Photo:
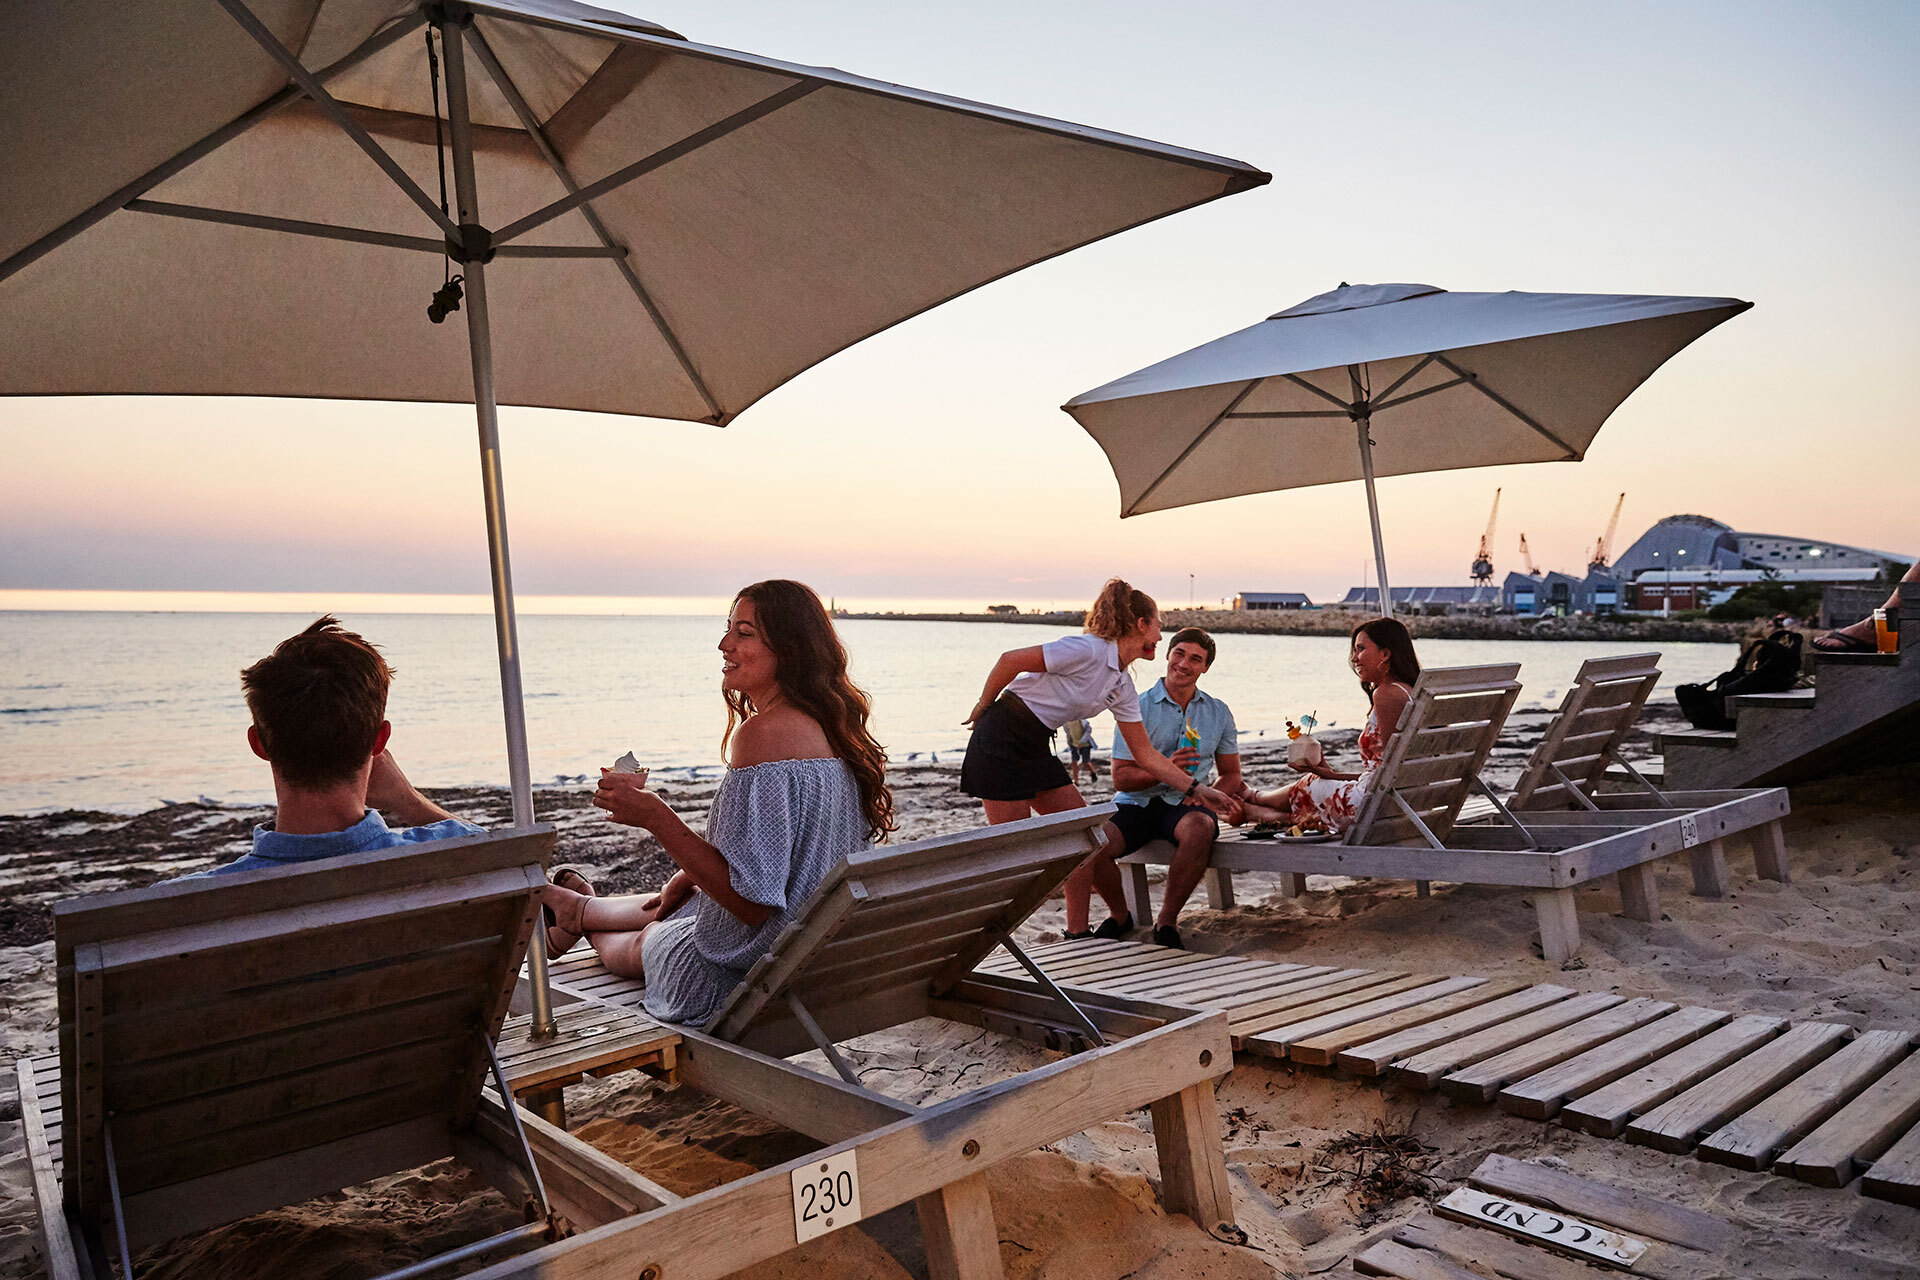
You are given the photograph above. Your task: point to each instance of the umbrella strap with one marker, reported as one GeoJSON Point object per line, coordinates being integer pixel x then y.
{"type": "Point", "coordinates": [439, 137]}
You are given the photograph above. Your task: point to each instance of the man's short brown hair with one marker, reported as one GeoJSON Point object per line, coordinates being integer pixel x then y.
{"type": "Point", "coordinates": [1195, 636]}
{"type": "Point", "coordinates": [318, 701]}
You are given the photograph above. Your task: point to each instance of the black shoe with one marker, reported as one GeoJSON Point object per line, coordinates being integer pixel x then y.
{"type": "Point", "coordinates": [1165, 935]}
{"type": "Point", "coordinates": [1070, 936]}
{"type": "Point", "coordinates": [1112, 928]}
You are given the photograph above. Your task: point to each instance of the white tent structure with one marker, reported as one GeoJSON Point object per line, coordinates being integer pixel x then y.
{"type": "Point", "coordinates": [1384, 380]}
{"type": "Point", "coordinates": [237, 197]}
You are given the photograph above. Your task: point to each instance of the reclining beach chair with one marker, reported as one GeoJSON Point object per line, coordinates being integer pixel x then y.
{"type": "Point", "coordinates": [1410, 826]}
{"type": "Point", "coordinates": [893, 934]}
{"type": "Point", "coordinates": [239, 1043]}
{"type": "Point", "coordinates": [1585, 739]}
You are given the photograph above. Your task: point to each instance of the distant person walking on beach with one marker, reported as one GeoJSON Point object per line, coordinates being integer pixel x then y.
{"type": "Point", "coordinates": [1031, 691]}
{"type": "Point", "coordinates": [319, 706]}
{"type": "Point", "coordinates": [1080, 745]}
{"type": "Point", "coordinates": [805, 786]}
{"type": "Point", "coordinates": [1382, 656]}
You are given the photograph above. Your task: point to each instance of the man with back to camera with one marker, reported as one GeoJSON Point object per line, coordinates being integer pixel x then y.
{"type": "Point", "coordinates": [319, 705]}
{"type": "Point", "coordinates": [1190, 728]}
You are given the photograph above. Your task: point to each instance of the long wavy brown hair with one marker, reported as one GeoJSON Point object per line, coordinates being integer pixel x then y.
{"type": "Point", "coordinates": [810, 666]}
{"type": "Point", "coordinates": [1392, 635]}
{"type": "Point", "coordinates": [1119, 608]}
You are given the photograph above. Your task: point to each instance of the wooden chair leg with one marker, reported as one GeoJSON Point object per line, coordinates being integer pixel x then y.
{"type": "Point", "coordinates": [549, 1104]}
{"type": "Point", "coordinates": [1770, 852]}
{"type": "Point", "coordinates": [1193, 1159]}
{"type": "Point", "coordinates": [1640, 893]}
{"type": "Point", "coordinates": [956, 1223]}
{"type": "Point", "coordinates": [1559, 924]}
{"type": "Point", "coordinates": [1423, 888]}
{"type": "Point", "coordinates": [1709, 869]}
{"type": "Point", "coordinates": [1139, 898]}
{"type": "Point", "coordinates": [1292, 884]}
{"type": "Point", "coordinates": [1219, 889]}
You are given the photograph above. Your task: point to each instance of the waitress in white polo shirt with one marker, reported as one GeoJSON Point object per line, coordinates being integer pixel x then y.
{"type": "Point", "coordinates": [1010, 767]}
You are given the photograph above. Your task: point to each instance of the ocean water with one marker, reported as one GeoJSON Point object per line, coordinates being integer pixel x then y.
{"type": "Point", "coordinates": [123, 711]}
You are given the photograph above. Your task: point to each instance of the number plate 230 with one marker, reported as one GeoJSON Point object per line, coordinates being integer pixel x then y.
{"type": "Point", "coordinates": [826, 1196]}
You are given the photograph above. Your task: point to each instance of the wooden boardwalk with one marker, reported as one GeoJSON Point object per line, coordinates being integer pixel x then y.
{"type": "Point", "coordinates": [1808, 1100]}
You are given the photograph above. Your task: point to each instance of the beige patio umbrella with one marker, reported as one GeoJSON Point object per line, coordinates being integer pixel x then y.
{"type": "Point", "coordinates": [1384, 380]}
{"type": "Point", "coordinates": [247, 197]}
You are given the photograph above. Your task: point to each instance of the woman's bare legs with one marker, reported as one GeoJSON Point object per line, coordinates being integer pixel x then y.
{"type": "Point", "coordinates": [614, 927]}
{"type": "Point", "coordinates": [1097, 872]}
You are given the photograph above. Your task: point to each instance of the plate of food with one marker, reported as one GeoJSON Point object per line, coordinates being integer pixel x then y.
{"type": "Point", "coordinates": [1311, 833]}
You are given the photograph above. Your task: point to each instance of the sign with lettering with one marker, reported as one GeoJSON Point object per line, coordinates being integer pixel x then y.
{"type": "Point", "coordinates": [1550, 1226]}
{"type": "Point", "coordinates": [826, 1196]}
{"type": "Point", "coordinates": [1689, 831]}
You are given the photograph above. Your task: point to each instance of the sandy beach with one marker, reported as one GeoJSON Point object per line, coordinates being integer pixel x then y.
{"type": "Point", "coordinates": [1304, 1147]}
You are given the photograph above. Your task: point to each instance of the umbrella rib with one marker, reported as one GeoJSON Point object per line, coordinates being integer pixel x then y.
{"type": "Point", "coordinates": [1409, 375]}
{"type": "Point", "coordinates": [206, 146]}
{"type": "Point", "coordinates": [319, 230]}
{"type": "Point", "coordinates": [1294, 413]}
{"type": "Point", "coordinates": [1378, 405]}
{"type": "Point", "coordinates": [639, 168]}
{"type": "Point", "coordinates": [1299, 381]}
{"type": "Point", "coordinates": [1187, 452]}
{"type": "Point", "coordinates": [1509, 406]}
{"type": "Point", "coordinates": [251, 24]}
{"type": "Point", "coordinates": [531, 123]}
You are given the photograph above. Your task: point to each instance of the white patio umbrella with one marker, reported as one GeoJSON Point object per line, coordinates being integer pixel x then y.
{"type": "Point", "coordinates": [236, 197]}
{"type": "Point", "coordinates": [1384, 380]}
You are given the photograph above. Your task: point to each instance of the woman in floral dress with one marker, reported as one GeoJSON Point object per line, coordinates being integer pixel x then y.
{"type": "Point", "coordinates": [1383, 658]}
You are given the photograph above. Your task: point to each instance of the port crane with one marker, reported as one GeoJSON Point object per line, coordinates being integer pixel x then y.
{"type": "Point", "coordinates": [1533, 570]}
{"type": "Point", "coordinates": [1483, 563]}
{"type": "Point", "coordinates": [1603, 549]}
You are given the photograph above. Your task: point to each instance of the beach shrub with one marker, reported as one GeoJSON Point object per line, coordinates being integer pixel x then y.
{"type": "Point", "coordinates": [1764, 599]}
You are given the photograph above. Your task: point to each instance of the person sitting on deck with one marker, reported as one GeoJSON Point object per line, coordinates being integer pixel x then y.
{"type": "Point", "coordinates": [805, 787]}
{"type": "Point", "coordinates": [319, 705]}
{"type": "Point", "coordinates": [1195, 730]}
{"type": "Point", "coordinates": [1861, 637]}
{"type": "Point", "coordinates": [1382, 656]}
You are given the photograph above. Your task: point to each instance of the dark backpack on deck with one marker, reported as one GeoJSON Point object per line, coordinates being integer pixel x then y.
{"type": "Point", "coordinates": [1769, 665]}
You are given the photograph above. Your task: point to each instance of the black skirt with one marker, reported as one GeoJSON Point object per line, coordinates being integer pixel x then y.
{"type": "Point", "coordinates": [1009, 756]}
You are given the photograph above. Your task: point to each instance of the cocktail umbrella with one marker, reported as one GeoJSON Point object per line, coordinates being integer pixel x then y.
{"type": "Point", "coordinates": [203, 197]}
{"type": "Point", "coordinates": [1384, 380]}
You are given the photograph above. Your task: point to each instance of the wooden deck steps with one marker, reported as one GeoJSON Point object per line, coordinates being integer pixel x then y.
{"type": "Point", "coordinates": [1864, 709]}
{"type": "Point", "coordinates": [1810, 1100]}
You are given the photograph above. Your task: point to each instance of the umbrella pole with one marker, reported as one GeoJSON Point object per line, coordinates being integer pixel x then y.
{"type": "Point", "coordinates": [506, 630]}
{"type": "Point", "coordinates": [1362, 420]}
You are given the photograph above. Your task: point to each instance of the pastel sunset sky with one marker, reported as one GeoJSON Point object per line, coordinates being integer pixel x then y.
{"type": "Point", "coordinates": [1765, 151]}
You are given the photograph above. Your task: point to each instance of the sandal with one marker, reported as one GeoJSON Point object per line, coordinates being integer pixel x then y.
{"type": "Point", "coordinates": [581, 885]}
{"type": "Point", "coordinates": [1841, 642]}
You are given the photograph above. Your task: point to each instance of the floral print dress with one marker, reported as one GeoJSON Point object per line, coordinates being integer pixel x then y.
{"type": "Point", "coordinates": [1335, 804]}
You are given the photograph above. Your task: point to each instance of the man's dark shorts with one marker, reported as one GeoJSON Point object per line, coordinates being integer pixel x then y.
{"type": "Point", "coordinates": [1141, 824]}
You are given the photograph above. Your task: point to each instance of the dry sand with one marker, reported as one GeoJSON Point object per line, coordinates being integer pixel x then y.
{"type": "Point", "coordinates": [1840, 943]}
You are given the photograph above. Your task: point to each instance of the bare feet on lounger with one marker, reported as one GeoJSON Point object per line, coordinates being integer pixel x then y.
{"type": "Point", "coordinates": [565, 901]}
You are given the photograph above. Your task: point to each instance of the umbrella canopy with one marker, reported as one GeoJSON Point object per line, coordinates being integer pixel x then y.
{"type": "Point", "coordinates": [251, 197]}
{"type": "Point", "coordinates": [1444, 381]}
{"type": "Point", "coordinates": [748, 217]}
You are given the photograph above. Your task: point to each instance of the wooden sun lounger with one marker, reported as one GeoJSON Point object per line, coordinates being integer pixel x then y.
{"type": "Point", "coordinates": [894, 934]}
{"type": "Point", "coordinates": [243, 1042]}
{"type": "Point", "coordinates": [1410, 825]}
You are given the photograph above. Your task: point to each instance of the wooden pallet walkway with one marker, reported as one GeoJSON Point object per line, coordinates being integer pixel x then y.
{"type": "Point", "coordinates": [1808, 1100]}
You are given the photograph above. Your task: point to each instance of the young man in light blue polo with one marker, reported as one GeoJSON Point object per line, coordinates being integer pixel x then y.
{"type": "Point", "coordinates": [1194, 730]}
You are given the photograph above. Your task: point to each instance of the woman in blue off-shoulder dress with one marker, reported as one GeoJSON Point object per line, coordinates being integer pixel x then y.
{"type": "Point", "coordinates": [805, 787]}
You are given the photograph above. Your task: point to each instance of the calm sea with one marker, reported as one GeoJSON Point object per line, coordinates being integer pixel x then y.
{"type": "Point", "coordinates": [122, 711]}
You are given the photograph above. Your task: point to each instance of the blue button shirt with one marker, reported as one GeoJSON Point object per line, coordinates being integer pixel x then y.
{"type": "Point", "coordinates": [277, 849]}
{"type": "Point", "coordinates": [1164, 721]}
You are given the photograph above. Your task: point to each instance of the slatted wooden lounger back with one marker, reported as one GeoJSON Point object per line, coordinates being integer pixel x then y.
{"type": "Point", "coordinates": [237, 1043]}
{"type": "Point", "coordinates": [1410, 828]}
{"type": "Point", "coordinates": [890, 935]}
